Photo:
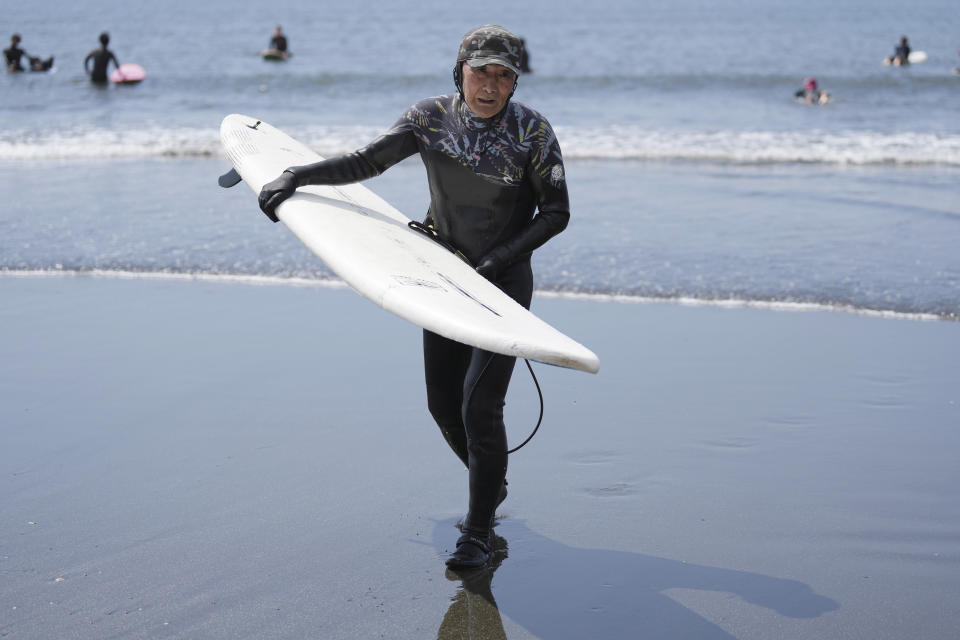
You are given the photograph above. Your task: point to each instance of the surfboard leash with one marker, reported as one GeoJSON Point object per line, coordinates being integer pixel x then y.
{"type": "Point", "coordinates": [540, 419]}
{"type": "Point", "coordinates": [431, 233]}
{"type": "Point", "coordinates": [539, 395]}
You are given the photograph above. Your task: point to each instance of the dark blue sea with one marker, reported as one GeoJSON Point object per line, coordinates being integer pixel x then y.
{"type": "Point", "coordinates": [694, 173]}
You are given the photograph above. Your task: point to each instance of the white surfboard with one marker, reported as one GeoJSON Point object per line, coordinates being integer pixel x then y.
{"type": "Point", "coordinates": [914, 57]}
{"type": "Point", "coordinates": [367, 243]}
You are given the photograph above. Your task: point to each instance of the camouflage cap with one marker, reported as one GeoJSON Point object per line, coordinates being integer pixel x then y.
{"type": "Point", "coordinates": [491, 44]}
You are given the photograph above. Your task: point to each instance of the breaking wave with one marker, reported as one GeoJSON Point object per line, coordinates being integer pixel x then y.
{"type": "Point", "coordinates": [333, 282]}
{"type": "Point", "coordinates": [608, 142]}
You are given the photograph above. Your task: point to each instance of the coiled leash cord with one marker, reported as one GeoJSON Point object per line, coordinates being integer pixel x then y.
{"type": "Point", "coordinates": [540, 419]}
{"type": "Point", "coordinates": [431, 233]}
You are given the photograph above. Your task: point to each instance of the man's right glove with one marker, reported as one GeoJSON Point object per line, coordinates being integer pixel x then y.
{"type": "Point", "coordinates": [491, 264]}
{"type": "Point", "coordinates": [273, 193]}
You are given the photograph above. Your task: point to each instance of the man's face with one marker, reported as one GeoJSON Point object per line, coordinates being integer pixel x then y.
{"type": "Point", "coordinates": [487, 89]}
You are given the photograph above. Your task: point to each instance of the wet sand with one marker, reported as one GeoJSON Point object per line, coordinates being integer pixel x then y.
{"type": "Point", "coordinates": [194, 459]}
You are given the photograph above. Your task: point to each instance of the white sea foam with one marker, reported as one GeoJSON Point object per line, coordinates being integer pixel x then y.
{"type": "Point", "coordinates": [86, 144]}
{"type": "Point", "coordinates": [82, 143]}
{"type": "Point", "coordinates": [776, 305]}
{"type": "Point", "coordinates": [733, 303]}
{"type": "Point", "coordinates": [59, 272]}
{"type": "Point", "coordinates": [762, 147]}
{"type": "Point", "coordinates": [609, 142]}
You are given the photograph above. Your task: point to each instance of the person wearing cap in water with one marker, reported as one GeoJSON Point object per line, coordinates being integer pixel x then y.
{"type": "Point", "coordinates": [497, 192]}
{"type": "Point", "coordinates": [810, 94]}
{"type": "Point", "coordinates": [101, 59]}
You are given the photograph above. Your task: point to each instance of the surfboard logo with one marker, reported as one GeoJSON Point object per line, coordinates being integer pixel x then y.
{"type": "Point", "coordinates": [407, 281]}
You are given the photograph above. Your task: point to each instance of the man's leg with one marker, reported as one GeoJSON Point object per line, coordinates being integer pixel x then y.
{"type": "Point", "coordinates": [445, 364]}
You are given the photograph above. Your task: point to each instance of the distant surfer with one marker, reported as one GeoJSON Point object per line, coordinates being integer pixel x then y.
{"type": "Point", "coordinates": [901, 55]}
{"type": "Point", "coordinates": [14, 54]}
{"type": "Point", "coordinates": [279, 41]}
{"type": "Point", "coordinates": [495, 196]}
{"type": "Point", "coordinates": [278, 46]}
{"type": "Point", "coordinates": [524, 57]}
{"type": "Point", "coordinates": [811, 94]}
{"type": "Point", "coordinates": [101, 58]}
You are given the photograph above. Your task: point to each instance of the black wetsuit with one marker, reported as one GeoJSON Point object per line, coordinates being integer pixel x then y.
{"type": "Point", "coordinates": [488, 177]}
{"type": "Point", "coordinates": [101, 58]}
{"type": "Point", "coordinates": [902, 53]}
{"type": "Point", "coordinates": [13, 55]}
{"type": "Point", "coordinates": [279, 43]}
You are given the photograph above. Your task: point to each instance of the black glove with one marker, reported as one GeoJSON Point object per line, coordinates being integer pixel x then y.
{"type": "Point", "coordinates": [273, 193]}
{"type": "Point", "coordinates": [491, 264]}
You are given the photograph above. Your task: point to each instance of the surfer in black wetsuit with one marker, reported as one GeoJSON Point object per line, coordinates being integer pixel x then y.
{"type": "Point", "coordinates": [279, 41]}
{"type": "Point", "coordinates": [492, 164]}
{"type": "Point", "coordinates": [524, 57]}
{"type": "Point", "coordinates": [101, 59]}
{"type": "Point", "coordinates": [13, 54]}
{"type": "Point", "coordinates": [901, 55]}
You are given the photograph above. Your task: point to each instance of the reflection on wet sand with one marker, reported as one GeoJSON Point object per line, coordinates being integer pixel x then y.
{"type": "Point", "coordinates": [556, 591]}
{"type": "Point", "coordinates": [473, 613]}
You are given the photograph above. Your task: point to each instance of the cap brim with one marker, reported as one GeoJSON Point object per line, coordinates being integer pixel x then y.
{"type": "Point", "coordinates": [479, 62]}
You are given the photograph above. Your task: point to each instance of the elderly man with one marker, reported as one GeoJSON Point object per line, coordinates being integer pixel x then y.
{"type": "Point", "coordinates": [497, 192]}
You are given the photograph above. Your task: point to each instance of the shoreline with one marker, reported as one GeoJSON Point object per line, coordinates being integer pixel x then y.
{"type": "Point", "coordinates": [335, 283]}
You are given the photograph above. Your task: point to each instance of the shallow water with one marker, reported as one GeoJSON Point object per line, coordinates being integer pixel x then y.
{"type": "Point", "coordinates": [875, 241]}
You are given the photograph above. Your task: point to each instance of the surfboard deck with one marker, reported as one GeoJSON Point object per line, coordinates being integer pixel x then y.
{"type": "Point", "coordinates": [128, 73]}
{"type": "Point", "coordinates": [368, 243]}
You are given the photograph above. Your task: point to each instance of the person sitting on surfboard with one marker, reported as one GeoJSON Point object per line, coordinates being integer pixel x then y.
{"type": "Point", "coordinates": [497, 192]}
{"type": "Point", "coordinates": [101, 59]}
{"type": "Point", "coordinates": [279, 41]}
{"type": "Point", "coordinates": [901, 55]}
{"type": "Point", "coordinates": [278, 46]}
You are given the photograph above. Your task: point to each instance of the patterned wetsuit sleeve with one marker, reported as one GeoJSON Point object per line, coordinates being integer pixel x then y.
{"type": "Point", "coordinates": [365, 163]}
{"type": "Point", "coordinates": [548, 180]}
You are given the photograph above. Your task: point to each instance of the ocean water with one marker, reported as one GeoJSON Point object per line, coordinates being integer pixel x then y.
{"type": "Point", "coordinates": [694, 173]}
